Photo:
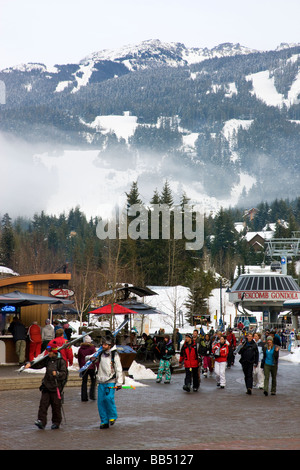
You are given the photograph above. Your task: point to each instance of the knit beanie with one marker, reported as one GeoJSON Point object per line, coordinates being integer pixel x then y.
{"type": "Point", "coordinates": [87, 339]}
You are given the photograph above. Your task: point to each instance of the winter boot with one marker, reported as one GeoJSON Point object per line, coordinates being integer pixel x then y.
{"type": "Point", "coordinates": [104, 426]}
{"type": "Point", "coordinates": [39, 424]}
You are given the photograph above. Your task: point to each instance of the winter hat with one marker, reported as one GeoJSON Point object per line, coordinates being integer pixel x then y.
{"type": "Point", "coordinates": [107, 340]}
{"type": "Point", "coordinates": [87, 339]}
{"type": "Point", "coordinates": [270, 338]}
{"type": "Point", "coordinates": [189, 335]}
{"type": "Point", "coordinates": [52, 348]}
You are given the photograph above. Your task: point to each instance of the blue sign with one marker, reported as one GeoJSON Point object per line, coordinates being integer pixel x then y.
{"type": "Point", "coordinates": [283, 260]}
{"type": "Point", "coordinates": [8, 308]}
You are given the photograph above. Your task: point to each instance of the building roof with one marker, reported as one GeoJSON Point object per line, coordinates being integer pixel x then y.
{"type": "Point", "coordinates": [266, 235]}
{"type": "Point", "coordinates": [8, 281]}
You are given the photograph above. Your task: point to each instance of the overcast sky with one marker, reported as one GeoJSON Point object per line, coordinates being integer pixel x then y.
{"type": "Point", "coordinates": [64, 31]}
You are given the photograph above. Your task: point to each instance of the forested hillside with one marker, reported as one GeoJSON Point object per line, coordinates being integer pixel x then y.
{"type": "Point", "coordinates": [45, 243]}
{"type": "Point", "coordinates": [238, 110]}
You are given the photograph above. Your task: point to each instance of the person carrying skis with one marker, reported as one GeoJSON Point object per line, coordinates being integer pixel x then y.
{"type": "Point", "coordinates": [166, 350]}
{"type": "Point", "coordinates": [109, 378]}
{"type": "Point", "coordinates": [189, 356]}
{"type": "Point", "coordinates": [51, 387]}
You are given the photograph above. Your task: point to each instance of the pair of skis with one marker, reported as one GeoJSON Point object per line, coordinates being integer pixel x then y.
{"type": "Point", "coordinates": [94, 357]}
{"type": "Point", "coordinates": [67, 344]}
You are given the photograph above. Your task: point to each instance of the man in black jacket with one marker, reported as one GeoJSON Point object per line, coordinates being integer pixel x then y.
{"type": "Point", "coordinates": [18, 330]}
{"type": "Point", "coordinates": [249, 359]}
{"type": "Point", "coordinates": [51, 388]}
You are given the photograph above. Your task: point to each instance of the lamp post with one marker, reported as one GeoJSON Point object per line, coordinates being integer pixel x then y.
{"type": "Point", "coordinates": [221, 312]}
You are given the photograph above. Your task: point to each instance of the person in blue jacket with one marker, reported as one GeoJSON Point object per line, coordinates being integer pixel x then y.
{"type": "Point", "coordinates": [270, 365]}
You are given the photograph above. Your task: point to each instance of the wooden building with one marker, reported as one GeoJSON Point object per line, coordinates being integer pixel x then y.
{"type": "Point", "coordinates": [37, 284]}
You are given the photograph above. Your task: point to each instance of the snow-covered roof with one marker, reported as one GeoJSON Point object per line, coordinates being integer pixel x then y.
{"type": "Point", "coordinates": [266, 235]}
{"type": "Point", "coordinates": [258, 269]}
{"type": "Point", "coordinates": [8, 271]}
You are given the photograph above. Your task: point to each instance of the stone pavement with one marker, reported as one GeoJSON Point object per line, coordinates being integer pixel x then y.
{"type": "Point", "coordinates": [160, 417]}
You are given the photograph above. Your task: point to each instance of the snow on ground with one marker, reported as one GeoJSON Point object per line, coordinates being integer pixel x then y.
{"type": "Point", "coordinates": [265, 90]}
{"type": "Point", "coordinates": [168, 300]}
{"type": "Point", "coordinates": [123, 126]}
{"type": "Point", "coordinates": [139, 372]}
{"type": "Point", "coordinates": [231, 128]}
{"type": "Point", "coordinates": [83, 75]}
{"type": "Point", "coordinates": [294, 356]}
{"type": "Point", "coordinates": [91, 193]}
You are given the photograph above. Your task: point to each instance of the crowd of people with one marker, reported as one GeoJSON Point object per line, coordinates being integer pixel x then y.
{"type": "Point", "coordinates": [200, 353]}
{"type": "Point", "coordinates": [216, 352]}
{"type": "Point", "coordinates": [36, 337]}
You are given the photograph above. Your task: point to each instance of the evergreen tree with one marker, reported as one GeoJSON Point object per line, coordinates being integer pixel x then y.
{"type": "Point", "coordinates": [166, 195]}
{"type": "Point", "coordinates": [201, 285]}
{"type": "Point", "coordinates": [7, 242]}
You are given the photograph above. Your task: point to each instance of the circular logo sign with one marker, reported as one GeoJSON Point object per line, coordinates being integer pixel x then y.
{"type": "Point", "coordinates": [63, 293]}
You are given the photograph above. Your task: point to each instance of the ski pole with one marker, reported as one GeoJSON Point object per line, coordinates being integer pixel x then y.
{"type": "Point", "coordinates": [61, 401]}
{"type": "Point", "coordinates": [125, 386]}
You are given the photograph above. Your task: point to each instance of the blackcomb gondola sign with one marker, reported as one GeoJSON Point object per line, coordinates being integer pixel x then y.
{"type": "Point", "coordinates": [62, 293]}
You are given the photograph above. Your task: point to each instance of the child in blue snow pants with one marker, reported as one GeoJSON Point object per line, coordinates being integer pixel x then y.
{"type": "Point", "coordinates": [106, 403]}
{"type": "Point", "coordinates": [164, 367]}
{"type": "Point", "coordinates": [166, 351]}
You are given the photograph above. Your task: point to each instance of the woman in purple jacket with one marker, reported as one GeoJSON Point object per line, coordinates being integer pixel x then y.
{"type": "Point", "coordinates": [87, 349]}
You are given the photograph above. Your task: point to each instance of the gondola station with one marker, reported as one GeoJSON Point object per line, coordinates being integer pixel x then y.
{"type": "Point", "coordinates": [267, 293]}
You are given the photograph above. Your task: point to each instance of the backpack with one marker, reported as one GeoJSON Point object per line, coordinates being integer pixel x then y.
{"type": "Point", "coordinates": [113, 353]}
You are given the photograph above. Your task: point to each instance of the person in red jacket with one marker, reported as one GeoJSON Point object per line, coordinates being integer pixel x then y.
{"type": "Point", "coordinates": [35, 337]}
{"type": "Point", "coordinates": [190, 357]}
{"type": "Point", "coordinates": [58, 341]}
{"type": "Point", "coordinates": [220, 351]}
{"type": "Point", "coordinates": [231, 339]}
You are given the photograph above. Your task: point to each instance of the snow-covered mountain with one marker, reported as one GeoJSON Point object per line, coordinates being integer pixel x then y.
{"type": "Point", "coordinates": [154, 53]}
{"type": "Point", "coordinates": [159, 110]}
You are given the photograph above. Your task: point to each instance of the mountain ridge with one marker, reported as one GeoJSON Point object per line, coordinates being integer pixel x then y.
{"type": "Point", "coordinates": [144, 46]}
{"type": "Point", "coordinates": [200, 53]}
